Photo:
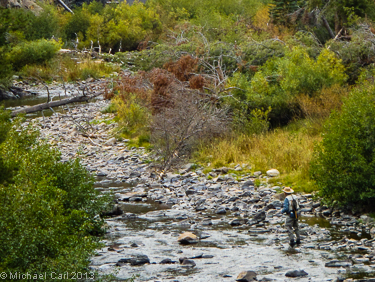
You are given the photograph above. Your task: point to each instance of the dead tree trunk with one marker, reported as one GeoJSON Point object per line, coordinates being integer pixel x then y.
{"type": "Point", "coordinates": [53, 104]}
{"type": "Point", "coordinates": [325, 22]}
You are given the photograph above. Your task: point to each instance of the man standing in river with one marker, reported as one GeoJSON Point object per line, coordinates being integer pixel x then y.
{"type": "Point", "coordinates": [291, 207]}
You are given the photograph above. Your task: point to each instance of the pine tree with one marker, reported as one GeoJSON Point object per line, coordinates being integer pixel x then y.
{"type": "Point", "coordinates": [280, 12]}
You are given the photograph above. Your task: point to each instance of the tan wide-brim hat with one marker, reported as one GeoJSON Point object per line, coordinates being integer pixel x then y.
{"type": "Point", "coordinates": [288, 190]}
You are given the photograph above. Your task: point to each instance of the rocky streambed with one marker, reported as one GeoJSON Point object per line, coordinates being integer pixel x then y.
{"type": "Point", "coordinates": [192, 226]}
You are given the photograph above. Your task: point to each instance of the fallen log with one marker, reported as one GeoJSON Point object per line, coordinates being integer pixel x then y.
{"type": "Point", "coordinates": [53, 104]}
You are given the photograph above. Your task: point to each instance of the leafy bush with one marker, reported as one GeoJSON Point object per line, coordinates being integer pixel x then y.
{"type": "Point", "coordinates": [280, 80]}
{"type": "Point", "coordinates": [257, 122]}
{"type": "Point", "coordinates": [359, 52]}
{"type": "Point", "coordinates": [344, 163]}
{"type": "Point", "coordinates": [116, 27]}
{"type": "Point", "coordinates": [28, 26]}
{"type": "Point", "coordinates": [132, 116]}
{"type": "Point", "coordinates": [49, 209]}
{"type": "Point", "coordinates": [34, 52]}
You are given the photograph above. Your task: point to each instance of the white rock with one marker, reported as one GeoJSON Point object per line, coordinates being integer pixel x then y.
{"type": "Point", "coordinates": [111, 141]}
{"type": "Point", "coordinates": [273, 172]}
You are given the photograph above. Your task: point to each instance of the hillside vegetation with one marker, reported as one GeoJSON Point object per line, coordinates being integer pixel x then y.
{"type": "Point", "coordinates": [222, 83]}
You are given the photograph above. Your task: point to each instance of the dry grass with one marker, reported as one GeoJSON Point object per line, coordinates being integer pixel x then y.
{"type": "Point", "coordinates": [289, 150]}
{"type": "Point", "coordinates": [321, 106]}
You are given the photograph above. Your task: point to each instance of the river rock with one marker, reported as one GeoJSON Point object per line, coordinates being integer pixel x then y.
{"type": "Point", "coordinates": [273, 172]}
{"type": "Point", "coordinates": [215, 187]}
{"type": "Point", "coordinates": [296, 273]}
{"type": "Point", "coordinates": [114, 212]}
{"type": "Point", "coordinates": [247, 276]}
{"type": "Point", "coordinates": [187, 238]}
{"type": "Point", "coordinates": [206, 222]}
{"type": "Point", "coordinates": [372, 232]}
{"type": "Point", "coordinates": [187, 262]}
{"type": "Point", "coordinates": [123, 261]}
{"type": "Point", "coordinates": [221, 210]}
{"type": "Point", "coordinates": [186, 168]}
{"type": "Point", "coordinates": [167, 261]}
{"type": "Point", "coordinates": [236, 222]}
{"type": "Point", "coordinates": [338, 263]}
{"type": "Point", "coordinates": [139, 260]}
{"type": "Point", "coordinates": [101, 173]}
{"type": "Point", "coordinates": [190, 191]}
{"type": "Point", "coordinates": [248, 184]}
{"type": "Point", "coordinates": [110, 142]}
{"type": "Point", "coordinates": [260, 216]}
{"type": "Point", "coordinates": [134, 174]}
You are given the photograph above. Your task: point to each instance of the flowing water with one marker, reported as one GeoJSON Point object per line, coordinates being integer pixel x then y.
{"type": "Point", "coordinates": [224, 252]}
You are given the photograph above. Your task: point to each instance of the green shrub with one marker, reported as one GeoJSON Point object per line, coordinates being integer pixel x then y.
{"type": "Point", "coordinates": [5, 69]}
{"type": "Point", "coordinates": [78, 23]}
{"type": "Point", "coordinates": [133, 118]}
{"type": "Point", "coordinates": [357, 53]}
{"type": "Point", "coordinates": [33, 52]}
{"type": "Point", "coordinates": [44, 25]}
{"type": "Point", "coordinates": [343, 164]}
{"type": "Point", "coordinates": [256, 122]}
{"type": "Point", "coordinates": [28, 25]}
{"type": "Point", "coordinates": [278, 82]}
{"type": "Point", "coordinates": [49, 209]}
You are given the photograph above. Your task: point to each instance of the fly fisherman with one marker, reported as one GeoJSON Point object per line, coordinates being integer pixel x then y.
{"type": "Point", "coordinates": [291, 207]}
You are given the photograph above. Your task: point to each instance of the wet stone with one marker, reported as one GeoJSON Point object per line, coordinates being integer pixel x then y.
{"type": "Point", "coordinates": [187, 262]}
{"type": "Point", "coordinates": [338, 263]}
{"type": "Point", "coordinates": [134, 174]}
{"type": "Point", "coordinates": [215, 187]}
{"type": "Point", "coordinates": [296, 273]}
{"type": "Point", "coordinates": [221, 210]}
{"type": "Point", "coordinates": [123, 261]}
{"type": "Point", "coordinates": [260, 216]}
{"type": "Point", "coordinates": [101, 173]}
{"type": "Point", "coordinates": [114, 212]}
{"type": "Point", "coordinates": [139, 260]}
{"type": "Point", "coordinates": [187, 238]}
{"type": "Point", "coordinates": [206, 222]}
{"type": "Point", "coordinates": [167, 261]}
{"type": "Point", "coordinates": [236, 222]}
{"type": "Point", "coordinates": [248, 184]}
{"type": "Point", "coordinates": [247, 276]}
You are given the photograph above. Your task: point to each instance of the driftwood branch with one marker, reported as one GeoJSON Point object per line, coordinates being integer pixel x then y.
{"type": "Point", "coordinates": [53, 104]}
